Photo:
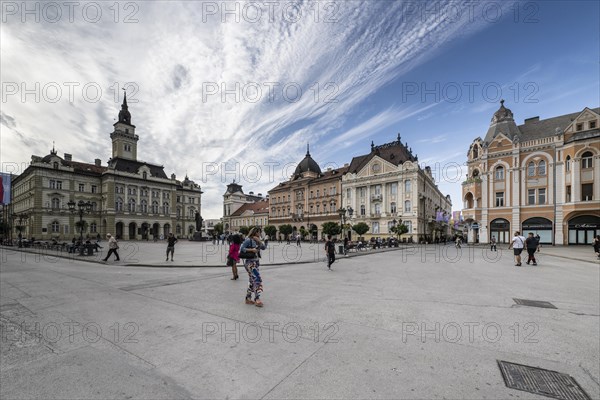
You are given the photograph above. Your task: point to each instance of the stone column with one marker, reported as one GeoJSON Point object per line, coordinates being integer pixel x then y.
{"type": "Point", "coordinates": [576, 180]}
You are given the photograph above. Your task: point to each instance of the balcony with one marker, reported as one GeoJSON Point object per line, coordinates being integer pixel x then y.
{"type": "Point", "coordinates": [376, 197]}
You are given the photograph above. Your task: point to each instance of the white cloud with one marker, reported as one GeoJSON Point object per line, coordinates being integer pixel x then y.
{"type": "Point", "coordinates": [171, 54]}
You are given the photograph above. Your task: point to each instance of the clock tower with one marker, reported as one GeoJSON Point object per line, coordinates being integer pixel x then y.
{"type": "Point", "coordinates": [124, 139]}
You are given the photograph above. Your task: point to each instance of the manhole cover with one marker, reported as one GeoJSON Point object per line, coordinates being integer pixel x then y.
{"type": "Point", "coordinates": [534, 303]}
{"type": "Point", "coordinates": [541, 381]}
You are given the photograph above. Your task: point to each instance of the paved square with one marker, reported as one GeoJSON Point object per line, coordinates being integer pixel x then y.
{"type": "Point", "coordinates": [421, 322]}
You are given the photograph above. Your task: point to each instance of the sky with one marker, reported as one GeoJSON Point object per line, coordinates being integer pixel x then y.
{"type": "Point", "coordinates": [236, 90]}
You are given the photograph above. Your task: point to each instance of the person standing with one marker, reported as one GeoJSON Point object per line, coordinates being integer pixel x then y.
{"type": "Point", "coordinates": [250, 252]}
{"type": "Point", "coordinates": [532, 245]}
{"type": "Point", "coordinates": [517, 244]}
{"type": "Point", "coordinates": [298, 237]}
{"type": "Point", "coordinates": [113, 246]}
{"type": "Point", "coordinates": [346, 245]}
{"type": "Point", "coordinates": [458, 242]}
{"type": "Point", "coordinates": [233, 257]}
{"type": "Point", "coordinates": [537, 239]}
{"type": "Point", "coordinates": [171, 240]}
{"type": "Point", "coordinates": [493, 244]}
{"type": "Point", "coordinates": [330, 251]}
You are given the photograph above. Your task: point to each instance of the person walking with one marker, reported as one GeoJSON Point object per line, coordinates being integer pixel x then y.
{"type": "Point", "coordinates": [113, 246]}
{"type": "Point", "coordinates": [458, 242]}
{"type": "Point", "coordinates": [493, 244]}
{"type": "Point", "coordinates": [517, 244]}
{"type": "Point", "coordinates": [532, 246]}
{"type": "Point", "coordinates": [250, 252]}
{"type": "Point", "coordinates": [298, 237]}
{"type": "Point", "coordinates": [330, 251]}
{"type": "Point", "coordinates": [537, 239]}
{"type": "Point", "coordinates": [346, 241]}
{"type": "Point", "coordinates": [597, 245]}
{"type": "Point", "coordinates": [233, 257]}
{"type": "Point", "coordinates": [171, 240]}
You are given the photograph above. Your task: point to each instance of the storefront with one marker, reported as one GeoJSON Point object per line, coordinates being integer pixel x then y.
{"type": "Point", "coordinates": [539, 226]}
{"type": "Point", "coordinates": [500, 229]}
{"type": "Point", "coordinates": [583, 229]}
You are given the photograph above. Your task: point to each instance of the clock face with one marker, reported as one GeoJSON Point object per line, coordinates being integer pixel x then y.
{"type": "Point", "coordinates": [376, 167]}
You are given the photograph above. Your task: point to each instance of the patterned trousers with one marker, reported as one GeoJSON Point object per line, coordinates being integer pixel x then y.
{"type": "Point", "coordinates": [254, 280]}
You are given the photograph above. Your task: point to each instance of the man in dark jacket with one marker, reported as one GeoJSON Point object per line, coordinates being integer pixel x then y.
{"type": "Point", "coordinates": [532, 245]}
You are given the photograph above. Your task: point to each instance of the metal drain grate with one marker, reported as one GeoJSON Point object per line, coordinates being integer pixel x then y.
{"type": "Point", "coordinates": [534, 303]}
{"type": "Point", "coordinates": [541, 381]}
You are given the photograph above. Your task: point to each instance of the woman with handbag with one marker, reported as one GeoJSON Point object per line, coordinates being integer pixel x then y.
{"type": "Point", "coordinates": [250, 252]}
{"type": "Point", "coordinates": [113, 246]}
{"type": "Point", "coordinates": [233, 257]}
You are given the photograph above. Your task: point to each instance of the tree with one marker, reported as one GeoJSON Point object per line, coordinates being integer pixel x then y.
{"type": "Point", "coordinates": [270, 230]}
{"type": "Point", "coordinates": [331, 228]}
{"type": "Point", "coordinates": [303, 232]}
{"type": "Point", "coordinates": [244, 230]}
{"type": "Point", "coordinates": [81, 225]}
{"type": "Point", "coordinates": [286, 229]}
{"type": "Point", "coordinates": [361, 228]}
{"type": "Point", "coordinates": [218, 229]}
{"type": "Point", "coordinates": [399, 229]}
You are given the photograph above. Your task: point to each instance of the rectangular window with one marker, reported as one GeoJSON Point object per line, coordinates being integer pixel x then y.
{"type": "Point", "coordinates": [592, 124]}
{"type": "Point", "coordinates": [587, 192]}
{"type": "Point", "coordinates": [568, 196]}
{"type": "Point", "coordinates": [579, 127]}
{"type": "Point", "coordinates": [377, 190]}
{"type": "Point", "coordinates": [394, 188]}
{"type": "Point", "coordinates": [362, 192]}
{"type": "Point", "coordinates": [531, 197]}
{"type": "Point", "coordinates": [81, 187]}
{"type": "Point", "coordinates": [499, 199]}
{"type": "Point", "coordinates": [542, 196]}
{"type": "Point", "coordinates": [375, 227]}
{"type": "Point", "coordinates": [94, 189]}
{"type": "Point", "coordinates": [407, 186]}
{"type": "Point", "coordinates": [52, 184]}
{"type": "Point", "coordinates": [499, 173]}
{"type": "Point", "coordinates": [393, 208]}
{"type": "Point", "coordinates": [586, 162]}
{"type": "Point", "coordinates": [317, 193]}
{"type": "Point", "coordinates": [59, 184]}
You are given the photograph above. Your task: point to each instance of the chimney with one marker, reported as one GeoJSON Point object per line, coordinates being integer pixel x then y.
{"type": "Point", "coordinates": [68, 157]}
{"type": "Point", "coordinates": [97, 162]}
{"type": "Point", "coordinates": [532, 119]}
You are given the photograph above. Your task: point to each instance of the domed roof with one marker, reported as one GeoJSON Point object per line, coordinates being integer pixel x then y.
{"type": "Point", "coordinates": [307, 164]}
{"type": "Point", "coordinates": [503, 114]}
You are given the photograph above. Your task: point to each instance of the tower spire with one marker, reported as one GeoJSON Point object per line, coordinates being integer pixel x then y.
{"type": "Point", "coordinates": [124, 114]}
{"type": "Point", "coordinates": [307, 149]}
{"type": "Point", "coordinates": [124, 105]}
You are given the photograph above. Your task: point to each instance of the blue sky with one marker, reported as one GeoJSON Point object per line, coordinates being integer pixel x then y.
{"type": "Point", "coordinates": [369, 56]}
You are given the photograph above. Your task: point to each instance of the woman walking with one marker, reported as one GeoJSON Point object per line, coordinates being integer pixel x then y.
{"type": "Point", "coordinates": [233, 257]}
{"type": "Point", "coordinates": [250, 252]}
{"type": "Point", "coordinates": [597, 245]}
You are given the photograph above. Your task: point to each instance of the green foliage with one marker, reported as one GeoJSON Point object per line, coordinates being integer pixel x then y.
{"type": "Point", "coordinates": [399, 229]}
{"type": "Point", "coordinates": [244, 230]}
{"type": "Point", "coordinates": [331, 228]}
{"type": "Point", "coordinates": [270, 230]}
{"type": "Point", "coordinates": [286, 229]}
{"type": "Point", "coordinates": [218, 229]}
{"type": "Point", "coordinates": [361, 228]}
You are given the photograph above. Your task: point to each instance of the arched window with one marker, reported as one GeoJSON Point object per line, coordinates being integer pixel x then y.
{"type": "Point", "coordinates": [119, 204]}
{"type": "Point", "coordinates": [499, 173]}
{"type": "Point", "coordinates": [144, 206]}
{"type": "Point", "coordinates": [362, 209]}
{"type": "Point", "coordinates": [407, 186]}
{"type": "Point", "coordinates": [531, 169]}
{"type": "Point", "coordinates": [55, 165]}
{"type": "Point", "coordinates": [408, 226]}
{"type": "Point", "coordinates": [166, 208]}
{"type": "Point", "coordinates": [475, 173]}
{"type": "Point", "coordinates": [586, 160]}
{"type": "Point", "coordinates": [144, 175]}
{"type": "Point", "coordinates": [178, 229]}
{"type": "Point", "coordinates": [542, 168]}
{"type": "Point", "coordinates": [393, 207]}
{"type": "Point", "coordinates": [131, 206]}
{"type": "Point", "coordinates": [407, 206]}
{"type": "Point", "coordinates": [93, 227]}
{"type": "Point", "coordinates": [568, 164]}
{"type": "Point", "coordinates": [55, 227]}
{"type": "Point", "coordinates": [475, 151]}
{"type": "Point", "coordinates": [55, 203]}
{"type": "Point", "coordinates": [155, 207]}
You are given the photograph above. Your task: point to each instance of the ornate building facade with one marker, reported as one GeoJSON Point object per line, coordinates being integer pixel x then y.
{"type": "Point", "coordinates": [387, 187]}
{"type": "Point", "coordinates": [233, 199]}
{"type": "Point", "coordinates": [131, 199]}
{"type": "Point", "coordinates": [542, 176]}
{"type": "Point", "coordinates": [308, 199]}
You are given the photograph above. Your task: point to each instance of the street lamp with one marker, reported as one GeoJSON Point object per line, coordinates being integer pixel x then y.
{"type": "Point", "coordinates": [342, 213]}
{"type": "Point", "coordinates": [21, 217]}
{"type": "Point", "coordinates": [82, 207]}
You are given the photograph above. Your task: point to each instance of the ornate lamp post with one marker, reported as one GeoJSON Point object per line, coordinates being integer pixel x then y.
{"type": "Point", "coordinates": [21, 217]}
{"type": "Point", "coordinates": [82, 208]}
{"type": "Point", "coordinates": [342, 213]}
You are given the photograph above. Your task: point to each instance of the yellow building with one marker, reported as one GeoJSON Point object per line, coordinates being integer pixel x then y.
{"type": "Point", "coordinates": [542, 176]}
